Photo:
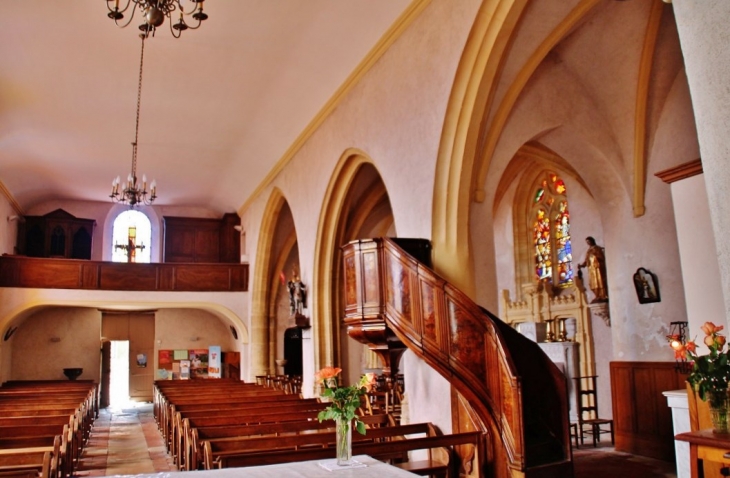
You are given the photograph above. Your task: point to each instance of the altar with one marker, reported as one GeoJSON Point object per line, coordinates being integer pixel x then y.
{"type": "Point", "coordinates": [310, 469]}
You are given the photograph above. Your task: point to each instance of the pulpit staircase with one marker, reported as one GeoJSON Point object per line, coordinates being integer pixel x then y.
{"type": "Point", "coordinates": [394, 301]}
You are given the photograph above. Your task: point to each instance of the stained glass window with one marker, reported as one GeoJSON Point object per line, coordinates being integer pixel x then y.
{"type": "Point", "coordinates": [541, 239]}
{"type": "Point", "coordinates": [551, 232]}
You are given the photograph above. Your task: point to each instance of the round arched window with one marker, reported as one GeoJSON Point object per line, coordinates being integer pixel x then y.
{"type": "Point", "coordinates": [132, 237]}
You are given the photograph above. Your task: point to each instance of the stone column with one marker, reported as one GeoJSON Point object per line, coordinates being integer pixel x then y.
{"type": "Point", "coordinates": [705, 39]}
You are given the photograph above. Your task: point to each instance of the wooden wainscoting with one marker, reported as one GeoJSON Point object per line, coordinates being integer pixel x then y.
{"type": "Point", "coordinates": [642, 419]}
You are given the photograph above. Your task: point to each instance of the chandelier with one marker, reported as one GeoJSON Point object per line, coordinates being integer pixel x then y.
{"type": "Point", "coordinates": [135, 192]}
{"type": "Point", "coordinates": [154, 12]}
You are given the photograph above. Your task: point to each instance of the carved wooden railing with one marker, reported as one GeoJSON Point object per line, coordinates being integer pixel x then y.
{"type": "Point", "coordinates": [516, 391]}
{"type": "Point", "coordinates": [20, 271]}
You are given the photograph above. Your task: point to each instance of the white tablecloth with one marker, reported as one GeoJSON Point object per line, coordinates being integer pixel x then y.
{"type": "Point", "coordinates": [309, 469]}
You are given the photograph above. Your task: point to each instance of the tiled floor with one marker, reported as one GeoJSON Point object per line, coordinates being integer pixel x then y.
{"type": "Point", "coordinates": [124, 442]}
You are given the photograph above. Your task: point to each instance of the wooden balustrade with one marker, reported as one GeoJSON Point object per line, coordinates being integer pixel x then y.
{"type": "Point", "coordinates": [40, 273]}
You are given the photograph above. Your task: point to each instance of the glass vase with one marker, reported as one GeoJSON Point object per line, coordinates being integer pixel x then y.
{"type": "Point", "coordinates": [343, 442]}
{"type": "Point", "coordinates": [719, 411]}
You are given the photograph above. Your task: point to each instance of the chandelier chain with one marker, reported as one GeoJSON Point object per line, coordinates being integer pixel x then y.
{"type": "Point", "coordinates": [139, 101]}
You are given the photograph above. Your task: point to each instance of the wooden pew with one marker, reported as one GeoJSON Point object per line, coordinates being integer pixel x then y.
{"type": "Point", "coordinates": [26, 463]}
{"type": "Point", "coordinates": [193, 437]}
{"type": "Point", "coordinates": [43, 461]}
{"type": "Point", "coordinates": [215, 402]}
{"type": "Point", "coordinates": [261, 413]}
{"type": "Point", "coordinates": [48, 413]}
{"type": "Point", "coordinates": [384, 444]}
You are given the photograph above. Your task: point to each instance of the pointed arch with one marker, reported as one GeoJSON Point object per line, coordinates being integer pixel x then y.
{"type": "Point", "coordinates": [261, 286]}
{"type": "Point", "coordinates": [471, 97]}
{"type": "Point", "coordinates": [329, 229]}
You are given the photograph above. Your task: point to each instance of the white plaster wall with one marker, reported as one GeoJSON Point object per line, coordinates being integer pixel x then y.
{"type": "Point", "coordinates": [395, 115]}
{"type": "Point", "coordinates": [697, 248]}
{"type": "Point", "coordinates": [579, 132]}
{"type": "Point", "coordinates": [36, 357]}
{"type": "Point", "coordinates": [190, 329]}
{"type": "Point", "coordinates": [704, 37]}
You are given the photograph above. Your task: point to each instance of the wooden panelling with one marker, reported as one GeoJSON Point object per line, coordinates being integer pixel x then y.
{"type": "Point", "coordinates": [56, 234]}
{"type": "Point", "coordinates": [642, 419]}
{"type": "Point", "coordinates": [17, 271]}
{"type": "Point", "coordinates": [189, 239]}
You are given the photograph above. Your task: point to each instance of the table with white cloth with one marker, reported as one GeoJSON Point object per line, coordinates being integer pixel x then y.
{"type": "Point", "coordinates": [311, 469]}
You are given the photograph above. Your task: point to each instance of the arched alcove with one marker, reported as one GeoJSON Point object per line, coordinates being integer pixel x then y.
{"type": "Point", "coordinates": [356, 206]}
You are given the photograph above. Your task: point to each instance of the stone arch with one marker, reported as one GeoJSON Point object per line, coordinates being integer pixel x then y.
{"type": "Point", "coordinates": [465, 148]}
{"type": "Point", "coordinates": [366, 212]}
{"type": "Point", "coordinates": [261, 292]}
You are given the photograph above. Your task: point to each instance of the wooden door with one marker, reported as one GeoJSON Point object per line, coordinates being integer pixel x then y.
{"type": "Point", "coordinates": [141, 356]}
{"type": "Point", "coordinates": [139, 329]}
{"type": "Point", "coordinates": [106, 372]}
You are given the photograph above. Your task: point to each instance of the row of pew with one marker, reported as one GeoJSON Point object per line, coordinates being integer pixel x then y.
{"type": "Point", "coordinates": [210, 424]}
{"type": "Point", "coordinates": [44, 426]}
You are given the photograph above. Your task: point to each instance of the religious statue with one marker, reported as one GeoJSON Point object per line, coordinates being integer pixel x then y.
{"type": "Point", "coordinates": [595, 261]}
{"type": "Point", "coordinates": [297, 295]}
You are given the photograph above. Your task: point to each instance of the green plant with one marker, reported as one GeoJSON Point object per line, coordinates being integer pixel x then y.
{"type": "Point", "coordinates": [344, 400]}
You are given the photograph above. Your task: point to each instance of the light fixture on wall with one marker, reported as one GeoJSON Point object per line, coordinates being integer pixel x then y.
{"type": "Point", "coordinates": [135, 192]}
{"type": "Point", "coordinates": [677, 339]}
{"type": "Point", "coordinates": [154, 12]}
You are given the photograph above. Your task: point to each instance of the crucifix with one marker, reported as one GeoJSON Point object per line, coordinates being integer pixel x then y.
{"type": "Point", "coordinates": [131, 246]}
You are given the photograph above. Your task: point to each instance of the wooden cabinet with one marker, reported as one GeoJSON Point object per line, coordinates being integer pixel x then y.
{"type": "Point", "coordinates": [56, 234]}
{"type": "Point", "coordinates": [188, 239]}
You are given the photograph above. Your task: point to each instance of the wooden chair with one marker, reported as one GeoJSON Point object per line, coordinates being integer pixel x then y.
{"type": "Point", "coordinates": [588, 421]}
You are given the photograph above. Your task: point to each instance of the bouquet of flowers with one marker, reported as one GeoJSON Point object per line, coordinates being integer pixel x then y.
{"type": "Point", "coordinates": [344, 400]}
{"type": "Point", "coordinates": [710, 373]}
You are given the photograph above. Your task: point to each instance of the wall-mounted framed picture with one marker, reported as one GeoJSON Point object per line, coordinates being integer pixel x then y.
{"type": "Point", "coordinates": [647, 286]}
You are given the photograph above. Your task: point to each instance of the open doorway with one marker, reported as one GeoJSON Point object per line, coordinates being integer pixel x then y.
{"type": "Point", "coordinates": [119, 373]}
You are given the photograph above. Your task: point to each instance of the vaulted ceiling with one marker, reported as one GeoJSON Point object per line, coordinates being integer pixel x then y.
{"type": "Point", "coordinates": [221, 106]}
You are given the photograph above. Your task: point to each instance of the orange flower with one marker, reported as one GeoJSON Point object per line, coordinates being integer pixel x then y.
{"type": "Point", "coordinates": [690, 346]}
{"type": "Point", "coordinates": [720, 340]}
{"type": "Point", "coordinates": [327, 372]}
{"type": "Point", "coordinates": [709, 328]}
{"type": "Point", "coordinates": [680, 353]}
{"type": "Point", "coordinates": [709, 340]}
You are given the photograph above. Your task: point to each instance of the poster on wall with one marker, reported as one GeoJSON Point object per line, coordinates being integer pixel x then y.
{"type": "Point", "coordinates": [198, 363]}
{"type": "Point", "coordinates": [184, 369]}
{"type": "Point", "coordinates": [214, 361]}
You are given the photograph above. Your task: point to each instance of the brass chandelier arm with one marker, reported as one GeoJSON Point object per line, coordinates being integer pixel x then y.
{"type": "Point", "coordinates": [154, 13]}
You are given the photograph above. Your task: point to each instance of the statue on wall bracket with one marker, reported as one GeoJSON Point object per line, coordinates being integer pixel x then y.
{"type": "Point", "coordinates": [595, 262]}
{"type": "Point", "coordinates": [297, 299]}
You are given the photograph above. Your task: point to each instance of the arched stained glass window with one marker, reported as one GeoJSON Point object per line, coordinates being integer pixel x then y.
{"type": "Point", "coordinates": [132, 236]}
{"type": "Point", "coordinates": [551, 232]}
